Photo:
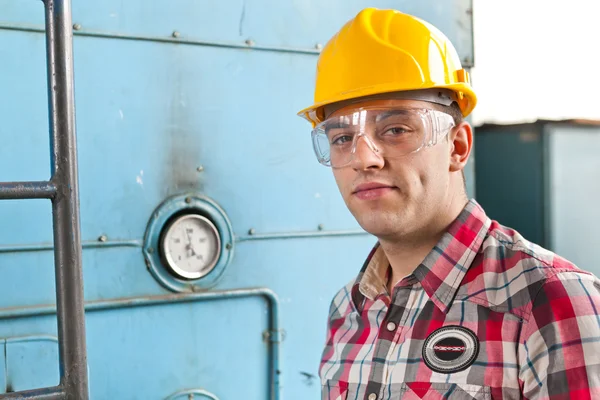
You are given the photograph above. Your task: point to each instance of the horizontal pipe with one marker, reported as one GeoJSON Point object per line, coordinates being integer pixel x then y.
{"type": "Point", "coordinates": [129, 302]}
{"type": "Point", "coordinates": [89, 244]}
{"type": "Point", "coordinates": [27, 190]}
{"type": "Point", "coordinates": [31, 338]}
{"type": "Point", "coordinates": [191, 395]}
{"type": "Point", "coordinates": [51, 393]}
{"type": "Point", "coordinates": [97, 244]}
{"type": "Point", "coordinates": [167, 39]}
{"type": "Point", "coordinates": [299, 235]}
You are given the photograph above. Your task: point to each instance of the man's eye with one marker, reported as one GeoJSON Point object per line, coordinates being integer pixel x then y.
{"type": "Point", "coordinates": [342, 140]}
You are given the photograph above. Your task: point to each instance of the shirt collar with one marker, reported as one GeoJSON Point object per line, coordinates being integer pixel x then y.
{"type": "Point", "coordinates": [442, 270]}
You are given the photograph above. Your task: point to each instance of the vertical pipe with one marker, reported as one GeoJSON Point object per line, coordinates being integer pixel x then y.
{"type": "Point", "coordinates": [65, 205]}
{"type": "Point", "coordinates": [276, 337]}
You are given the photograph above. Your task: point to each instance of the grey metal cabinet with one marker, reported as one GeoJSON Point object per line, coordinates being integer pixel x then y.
{"type": "Point", "coordinates": [543, 179]}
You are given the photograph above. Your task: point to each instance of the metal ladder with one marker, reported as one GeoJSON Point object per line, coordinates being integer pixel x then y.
{"type": "Point", "coordinates": [62, 190]}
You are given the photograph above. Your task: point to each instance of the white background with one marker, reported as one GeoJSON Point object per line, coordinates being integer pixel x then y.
{"type": "Point", "coordinates": [536, 59]}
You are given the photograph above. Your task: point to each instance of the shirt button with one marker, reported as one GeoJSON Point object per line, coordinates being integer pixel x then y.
{"type": "Point", "coordinates": [390, 327]}
{"type": "Point", "coordinates": [372, 396]}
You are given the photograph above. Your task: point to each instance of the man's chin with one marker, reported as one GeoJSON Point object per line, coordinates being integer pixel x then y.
{"type": "Point", "coordinates": [379, 225]}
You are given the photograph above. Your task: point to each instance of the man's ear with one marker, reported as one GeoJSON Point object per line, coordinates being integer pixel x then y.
{"type": "Point", "coordinates": [461, 144]}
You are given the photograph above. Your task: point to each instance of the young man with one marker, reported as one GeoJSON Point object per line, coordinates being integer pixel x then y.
{"type": "Point", "coordinates": [449, 304]}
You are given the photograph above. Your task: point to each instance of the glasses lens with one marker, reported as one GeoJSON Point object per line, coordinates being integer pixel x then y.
{"type": "Point", "coordinates": [391, 132]}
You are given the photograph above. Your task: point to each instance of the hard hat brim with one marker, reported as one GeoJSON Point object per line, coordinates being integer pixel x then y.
{"type": "Point", "coordinates": [466, 99]}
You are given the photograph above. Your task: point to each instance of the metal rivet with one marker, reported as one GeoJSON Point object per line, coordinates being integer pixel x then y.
{"type": "Point", "coordinates": [77, 26]}
{"type": "Point", "coordinates": [188, 200]}
{"type": "Point", "coordinates": [175, 34]}
{"type": "Point", "coordinates": [251, 231]}
{"type": "Point", "coordinates": [150, 250]}
{"type": "Point", "coordinates": [249, 42]}
{"type": "Point", "coordinates": [320, 227]}
{"type": "Point", "coordinates": [200, 168]}
{"type": "Point", "coordinates": [318, 46]}
{"type": "Point", "coordinates": [228, 246]}
{"type": "Point", "coordinates": [102, 238]}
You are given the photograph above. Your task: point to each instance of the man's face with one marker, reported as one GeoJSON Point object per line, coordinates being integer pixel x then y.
{"type": "Point", "coordinates": [414, 188]}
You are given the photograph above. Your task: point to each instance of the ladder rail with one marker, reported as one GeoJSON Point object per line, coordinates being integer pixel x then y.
{"type": "Point", "coordinates": [63, 191]}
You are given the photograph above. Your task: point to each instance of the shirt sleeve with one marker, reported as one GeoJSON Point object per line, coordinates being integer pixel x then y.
{"type": "Point", "coordinates": [559, 350]}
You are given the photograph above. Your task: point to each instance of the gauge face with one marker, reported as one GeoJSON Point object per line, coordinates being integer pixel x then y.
{"type": "Point", "coordinates": [191, 246]}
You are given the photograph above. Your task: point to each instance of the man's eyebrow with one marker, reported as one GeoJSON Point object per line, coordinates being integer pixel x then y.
{"type": "Point", "coordinates": [391, 113]}
{"type": "Point", "coordinates": [336, 125]}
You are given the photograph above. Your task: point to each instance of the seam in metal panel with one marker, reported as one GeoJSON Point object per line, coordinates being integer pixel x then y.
{"type": "Point", "coordinates": [249, 45]}
{"type": "Point", "coordinates": [95, 244]}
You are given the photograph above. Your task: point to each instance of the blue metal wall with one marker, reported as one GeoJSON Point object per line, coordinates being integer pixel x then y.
{"type": "Point", "coordinates": [163, 88]}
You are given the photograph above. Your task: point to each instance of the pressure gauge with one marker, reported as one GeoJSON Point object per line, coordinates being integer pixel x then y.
{"type": "Point", "coordinates": [190, 246]}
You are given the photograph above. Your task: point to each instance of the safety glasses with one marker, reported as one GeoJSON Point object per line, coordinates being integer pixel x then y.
{"type": "Point", "coordinates": [388, 132]}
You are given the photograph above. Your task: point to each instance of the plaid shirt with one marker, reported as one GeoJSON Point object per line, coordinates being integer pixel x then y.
{"type": "Point", "coordinates": [518, 322]}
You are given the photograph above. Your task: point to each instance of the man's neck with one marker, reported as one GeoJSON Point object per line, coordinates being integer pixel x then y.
{"type": "Point", "coordinates": [406, 253]}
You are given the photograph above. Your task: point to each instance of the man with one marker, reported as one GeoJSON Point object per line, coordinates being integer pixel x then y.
{"type": "Point", "coordinates": [449, 304]}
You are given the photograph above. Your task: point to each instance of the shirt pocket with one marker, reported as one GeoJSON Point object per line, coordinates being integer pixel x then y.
{"type": "Point", "coordinates": [444, 391]}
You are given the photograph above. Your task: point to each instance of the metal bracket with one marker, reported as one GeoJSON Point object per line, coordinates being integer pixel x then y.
{"type": "Point", "coordinates": [277, 336]}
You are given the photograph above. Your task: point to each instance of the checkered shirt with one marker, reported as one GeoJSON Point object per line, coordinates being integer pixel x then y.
{"type": "Point", "coordinates": [519, 322]}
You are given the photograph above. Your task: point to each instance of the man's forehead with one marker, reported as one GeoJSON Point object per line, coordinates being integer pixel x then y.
{"type": "Point", "coordinates": [380, 103]}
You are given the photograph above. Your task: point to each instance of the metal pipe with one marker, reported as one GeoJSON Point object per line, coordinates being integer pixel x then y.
{"type": "Point", "coordinates": [274, 339]}
{"type": "Point", "coordinates": [299, 235]}
{"type": "Point", "coordinates": [274, 330]}
{"type": "Point", "coordinates": [51, 393]}
{"type": "Point", "coordinates": [191, 394]}
{"type": "Point", "coordinates": [65, 205]}
{"type": "Point", "coordinates": [161, 39]}
{"type": "Point", "coordinates": [27, 190]}
{"type": "Point", "coordinates": [88, 244]}
{"type": "Point", "coordinates": [96, 244]}
{"type": "Point", "coordinates": [31, 338]}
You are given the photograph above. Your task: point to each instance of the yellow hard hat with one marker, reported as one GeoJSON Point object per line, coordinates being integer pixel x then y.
{"type": "Point", "coordinates": [386, 51]}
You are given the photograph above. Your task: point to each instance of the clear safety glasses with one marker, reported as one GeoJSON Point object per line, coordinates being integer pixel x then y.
{"type": "Point", "coordinates": [387, 132]}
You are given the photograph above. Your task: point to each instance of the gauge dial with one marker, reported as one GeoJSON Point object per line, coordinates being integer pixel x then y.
{"type": "Point", "coordinates": [191, 246]}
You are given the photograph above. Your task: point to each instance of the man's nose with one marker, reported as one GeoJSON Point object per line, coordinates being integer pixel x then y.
{"type": "Point", "coordinates": [366, 154]}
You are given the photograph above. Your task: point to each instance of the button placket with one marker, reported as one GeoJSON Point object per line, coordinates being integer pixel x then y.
{"type": "Point", "coordinates": [399, 327]}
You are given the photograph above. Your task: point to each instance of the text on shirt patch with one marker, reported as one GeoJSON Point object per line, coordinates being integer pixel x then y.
{"type": "Point", "coordinates": [450, 349]}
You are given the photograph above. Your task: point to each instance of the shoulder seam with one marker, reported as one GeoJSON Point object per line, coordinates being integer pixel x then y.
{"type": "Point", "coordinates": [516, 246]}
